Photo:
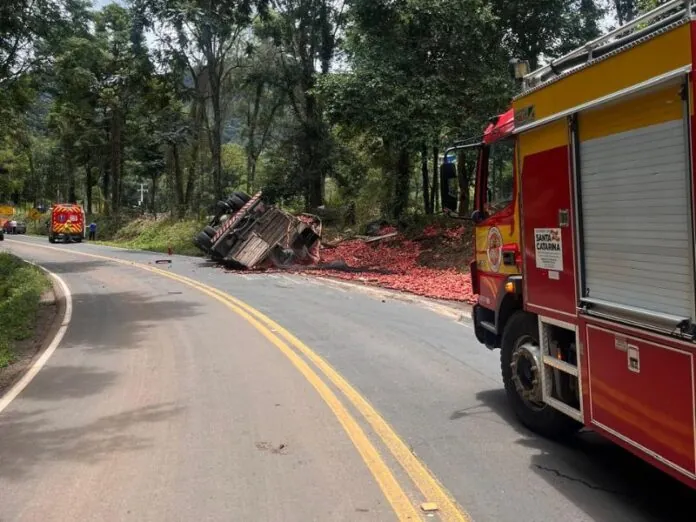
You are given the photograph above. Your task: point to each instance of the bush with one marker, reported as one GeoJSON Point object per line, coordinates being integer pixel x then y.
{"type": "Point", "coordinates": [157, 235]}
{"type": "Point", "coordinates": [21, 286]}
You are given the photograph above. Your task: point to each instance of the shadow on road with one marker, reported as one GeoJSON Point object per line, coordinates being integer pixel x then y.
{"type": "Point", "coordinates": [56, 383]}
{"type": "Point", "coordinates": [28, 445]}
{"type": "Point", "coordinates": [118, 320]}
{"type": "Point", "coordinates": [589, 463]}
{"type": "Point", "coordinates": [73, 267]}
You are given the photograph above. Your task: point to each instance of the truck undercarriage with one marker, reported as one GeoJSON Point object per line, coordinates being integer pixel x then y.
{"type": "Point", "coordinates": [246, 232]}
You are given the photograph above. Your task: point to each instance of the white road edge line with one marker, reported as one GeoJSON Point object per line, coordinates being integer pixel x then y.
{"type": "Point", "coordinates": [19, 386]}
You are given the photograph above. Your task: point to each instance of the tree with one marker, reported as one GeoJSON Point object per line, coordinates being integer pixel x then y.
{"type": "Point", "coordinates": [412, 63]}
{"type": "Point", "coordinates": [627, 10]}
{"type": "Point", "coordinates": [262, 99]}
{"type": "Point", "coordinates": [306, 31]}
{"type": "Point", "coordinates": [126, 66]}
{"type": "Point", "coordinates": [206, 37]}
{"type": "Point", "coordinates": [537, 29]}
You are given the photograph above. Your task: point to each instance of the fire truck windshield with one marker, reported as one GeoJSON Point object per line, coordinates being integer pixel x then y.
{"type": "Point", "coordinates": [499, 181]}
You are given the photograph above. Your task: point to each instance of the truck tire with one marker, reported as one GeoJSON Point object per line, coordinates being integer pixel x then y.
{"type": "Point", "coordinates": [203, 241]}
{"type": "Point", "coordinates": [235, 202]}
{"type": "Point", "coordinates": [51, 239]}
{"type": "Point", "coordinates": [209, 231]}
{"type": "Point", "coordinates": [222, 207]}
{"type": "Point", "coordinates": [243, 196]}
{"type": "Point", "coordinates": [520, 362]}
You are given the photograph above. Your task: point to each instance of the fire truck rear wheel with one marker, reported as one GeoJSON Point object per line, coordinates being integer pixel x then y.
{"type": "Point", "coordinates": [209, 231]}
{"type": "Point", "coordinates": [520, 361]}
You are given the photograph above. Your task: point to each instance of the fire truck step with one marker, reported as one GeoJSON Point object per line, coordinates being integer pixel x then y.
{"type": "Point", "coordinates": [489, 326]}
{"type": "Point", "coordinates": [561, 365]}
{"type": "Point", "coordinates": [564, 408]}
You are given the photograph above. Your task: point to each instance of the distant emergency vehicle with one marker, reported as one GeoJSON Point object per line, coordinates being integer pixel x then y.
{"type": "Point", "coordinates": [67, 223]}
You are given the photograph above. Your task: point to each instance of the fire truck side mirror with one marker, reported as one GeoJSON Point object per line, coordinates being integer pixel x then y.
{"type": "Point", "coordinates": [449, 187]}
{"type": "Point", "coordinates": [477, 216]}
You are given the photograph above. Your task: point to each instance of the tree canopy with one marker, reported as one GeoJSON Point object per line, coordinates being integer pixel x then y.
{"type": "Point", "coordinates": [338, 102]}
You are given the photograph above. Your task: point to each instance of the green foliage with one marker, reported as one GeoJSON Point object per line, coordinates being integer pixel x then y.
{"type": "Point", "coordinates": [191, 99]}
{"type": "Point", "coordinates": [234, 163]}
{"type": "Point", "coordinates": [544, 29]}
{"type": "Point", "coordinates": [158, 235]}
{"type": "Point", "coordinates": [423, 72]}
{"type": "Point", "coordinates": [21, 286]}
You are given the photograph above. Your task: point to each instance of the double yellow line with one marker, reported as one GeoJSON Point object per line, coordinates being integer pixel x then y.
{"type": "Point", "coordinates": [293, 349]}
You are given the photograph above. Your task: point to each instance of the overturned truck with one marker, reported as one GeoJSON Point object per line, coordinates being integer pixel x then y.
{"type": "Point", "coordinates": [246, 232]}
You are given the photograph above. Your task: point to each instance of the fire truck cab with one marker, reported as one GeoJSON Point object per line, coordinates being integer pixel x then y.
{"type": "Point", "coordinates": [585, 252]}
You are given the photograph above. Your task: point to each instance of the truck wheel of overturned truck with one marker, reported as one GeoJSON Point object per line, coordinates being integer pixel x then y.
{"type": "Point", "coordinates": [520, 361]}
{"type": "Point", "coordinates": [235, 202]}
{"type": "Point", "coordinates": [209, 231]}
{"type": "Point", "coordinates": [203, 241]}
{"type": "Point", "coordinates": [243, 196]}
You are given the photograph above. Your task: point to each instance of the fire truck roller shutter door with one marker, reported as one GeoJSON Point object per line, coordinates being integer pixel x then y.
{"type": "Point", "coordinates": [635, 190]}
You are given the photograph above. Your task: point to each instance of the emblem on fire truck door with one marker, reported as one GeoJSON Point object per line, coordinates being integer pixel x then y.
{"type": "Point", "coordinates": [494, 248]}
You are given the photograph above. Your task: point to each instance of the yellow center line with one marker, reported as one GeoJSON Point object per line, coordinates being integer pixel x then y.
{"type": "Point", "coordinates": [421, 476]}
{"type": "Point", "coordinates": [424, 480]}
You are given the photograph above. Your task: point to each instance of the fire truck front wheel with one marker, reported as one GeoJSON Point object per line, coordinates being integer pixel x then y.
{"type": "Point", "coordinates": [520, 361]}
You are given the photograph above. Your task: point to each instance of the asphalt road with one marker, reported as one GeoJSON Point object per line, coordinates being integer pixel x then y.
{"type": "Point", "coordinates": [162, 404]}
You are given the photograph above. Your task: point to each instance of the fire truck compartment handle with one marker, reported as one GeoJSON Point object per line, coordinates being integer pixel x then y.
{"type": "Point", "coordinates": [663, 318]}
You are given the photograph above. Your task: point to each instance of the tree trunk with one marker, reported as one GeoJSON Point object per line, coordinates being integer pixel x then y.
{"type": "Point", "coordinates": [434, 196]}
{"type": "Point", "coordinates": [402, 188]}
{"type": "Point", "coordinates": [88, 187]}
{"type": "Point", "coordinates": [252, 123]}
{"type": "Point", "coordinates": [251, 174]}
{"type": "Point", "coordinates": [153, 194]}
{"type": "Point", "coordinates": [106, 184]}
{"type": "Point", "coordinates": [179, 189]}
{"type": "Point", "coordinates": [115, 162]}
{"type": "Point", "coordinates": [328, 42]}
{"type": "Point", "coordinates": [316, 196]}
{"type": "Point", "coordinates": [194, 169]}
{"type": "Point", "coordinates": [315, 154]}
{"type": "Point", "coordinates": [216, 141]}
{"type": "Point", "coordinates": [190, 185]}
{"type": "Point", "coordinates": [34, 177]}
{"type": "Point", "coordinates": [70, 168]}
{"type": "Point", "coordinates": [426, 180]}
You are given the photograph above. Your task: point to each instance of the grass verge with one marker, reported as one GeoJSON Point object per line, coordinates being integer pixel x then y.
{"type": "Point", "coordinates": [21, 286]}
{"type": "Point", "coordinates": [157, 235]}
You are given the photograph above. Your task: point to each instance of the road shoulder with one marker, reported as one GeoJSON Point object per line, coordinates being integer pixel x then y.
{"type": "Point", "coordinates": [27, 351]}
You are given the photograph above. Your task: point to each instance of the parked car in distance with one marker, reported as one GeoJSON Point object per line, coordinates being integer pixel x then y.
{"type": "Point", "coordinates": [19, 228]}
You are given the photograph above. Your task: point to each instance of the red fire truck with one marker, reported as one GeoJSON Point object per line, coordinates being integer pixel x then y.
{"type": "Point", "coordinates": [585, 221]}
{"type": "Point", "coordinates": [66, 223]}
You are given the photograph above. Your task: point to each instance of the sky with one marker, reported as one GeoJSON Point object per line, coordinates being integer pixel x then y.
{"type": "Point", "coordinates": [101, 3]}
